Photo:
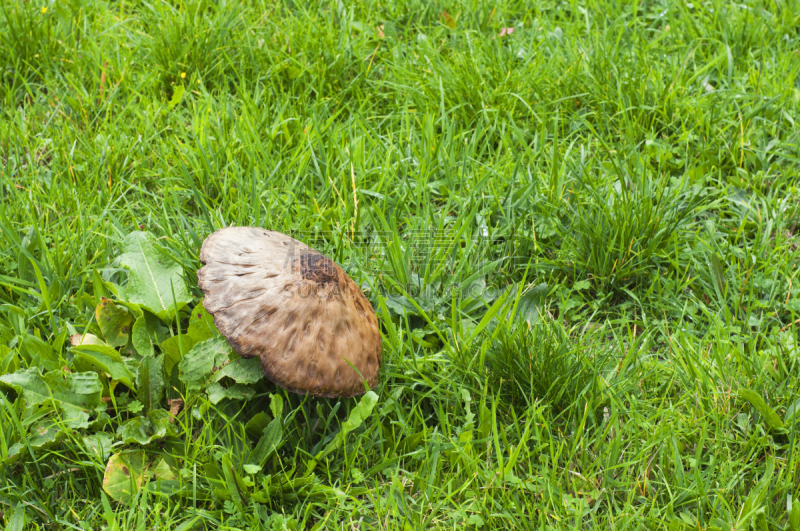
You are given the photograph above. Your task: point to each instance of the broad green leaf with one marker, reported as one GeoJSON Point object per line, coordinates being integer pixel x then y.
{"type": "Point", "coordinates": [411, 442]}
{"type": "Point", "coordinates": [255, 426]}
{"type": "Point", "coordinates": [276, 405]}
{"type": "Point", "coordinates": [135, 310]}
{"type": "Point", "coordinates": [771, 418]}
{"type": "Point", "coordinates": [217, 392]}
{"type": "Point", "coordinates": [357, 417]}
{"type": "Point", "coordinates": [15, 452]}
{"type": "Point", "coordinates": [150, 382]}
{"type": "Point", "coordinates": [101, 288]}
{"type": "Point", "coordinates": [76, 419]}
{"type": "Point", "coordinates": [175, 348]}
{"type": "Point", "coordinates": [114, 322]}
{"type": "Point", "coordinates": [133, 367]}
{"type": "Point", "coordinates": [139, 430]}
{"type": "Point", "coordinates": [141, 339]}
{"type": "Point", "coordinates": [127, 471]}
{"type": "Point", "coordinates": [155, 281]}
{"type": "Point", "coordinates": [38, 352]}
{"type": "Point", "coordinates": [148, 331]}
{"type": "Point", "coordinates": [80, 390]}
{"type": "Point", "coordinates": [199, 363]}
{"type": "Point", "coordinates": [162, 470]}
{"type": "Point", "coordinates": [233, 483]}
{"type": "Point", "coordinates": [268, 443]}
{"type": "Point", "coordinates": [101, 421]}
{"type": "Point", "coordinates": [146, 429]}
{"type": "Point", "coordinates": [161, 419]}
{"type": "Point", "coordinates": [400, 305]}
{"type": "Point", "coordinates": [164, 478]}
{"type": "Point", "coordinates": [243, 371]}
{"type": "Point", "coordinates": [99, 444]}
{"type": "Point", "coordinates": [43, 434]}
{"type": "Point", "coordinates": [105, 359]}
{"type": "Point", "coordinates": [360, 413]}
{"type": "Point", "coordinates": [201, 324]}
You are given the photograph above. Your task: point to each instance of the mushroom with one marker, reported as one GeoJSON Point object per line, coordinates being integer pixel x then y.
{"type": "Point", "coordinates": [276, 298]}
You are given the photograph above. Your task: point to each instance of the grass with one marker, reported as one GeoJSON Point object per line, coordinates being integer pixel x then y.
{"type": "Point", "coordinates": [580, 238]}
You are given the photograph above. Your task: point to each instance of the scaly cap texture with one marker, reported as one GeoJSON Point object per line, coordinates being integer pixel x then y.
{"type": "Point", "coordinates": [276, 298]}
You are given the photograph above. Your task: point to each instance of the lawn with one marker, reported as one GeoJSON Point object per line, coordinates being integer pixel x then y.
{"type": "Point", "coordinates": [577, 224]}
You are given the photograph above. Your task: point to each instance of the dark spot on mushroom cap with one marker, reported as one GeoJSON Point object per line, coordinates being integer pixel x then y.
{"type": "Point", "coordinates": [318, 268]}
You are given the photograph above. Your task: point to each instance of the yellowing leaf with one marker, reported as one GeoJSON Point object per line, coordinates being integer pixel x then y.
{"type": "Point", "coordinates": [449, 21]}
{"type": "Point", "coordinates": [124, 475]}
{"type": "Point", "coordinates": [85, 339]}
{"type": "Point", "coordinates": [115, 322]}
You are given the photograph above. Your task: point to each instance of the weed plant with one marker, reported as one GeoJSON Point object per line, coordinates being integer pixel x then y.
{"type": "Point", "coordinates": [577, 223]}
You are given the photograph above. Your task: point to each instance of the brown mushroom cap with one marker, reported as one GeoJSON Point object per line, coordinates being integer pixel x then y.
{"type": "Point", "coordinates": [274, 297]}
